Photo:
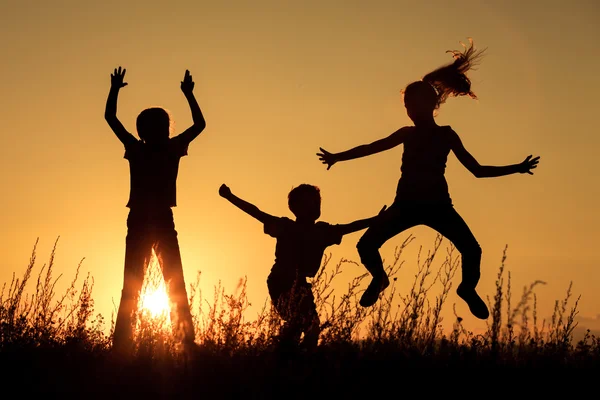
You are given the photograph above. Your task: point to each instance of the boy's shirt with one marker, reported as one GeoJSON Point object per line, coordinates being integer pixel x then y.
{"type": "Point", "coordinates": [153, 173]}
{"type": "Point", "coordinates": [299, 248]}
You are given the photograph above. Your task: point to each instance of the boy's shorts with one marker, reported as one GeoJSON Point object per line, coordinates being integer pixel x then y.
{"type": "Point", "coordinates": [297, 302]}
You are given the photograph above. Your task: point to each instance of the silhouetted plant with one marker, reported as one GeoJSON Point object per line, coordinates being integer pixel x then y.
{"type": "Point", "coordinates": [43, 319]}
{"type": "Point", "coordinates": [405, 326]}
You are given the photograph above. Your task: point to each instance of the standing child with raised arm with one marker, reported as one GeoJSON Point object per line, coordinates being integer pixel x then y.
{"type": "Point", "coordinates": [298, 255]}
{"type": "Point", "coordinates": [153, 165]}
{"type": "Point", "coordinates": [422, 195]}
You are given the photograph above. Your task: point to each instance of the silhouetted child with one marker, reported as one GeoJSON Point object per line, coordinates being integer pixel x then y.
{"type": "Point", "coordinates": [154, 164]}
{"type": "Point", "coordinates": [422, 195]}
{"type": "Point", "coordinates": [298, 255]}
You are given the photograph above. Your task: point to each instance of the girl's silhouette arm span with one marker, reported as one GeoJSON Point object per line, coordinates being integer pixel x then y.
{"type": "Point", "coordinates": [187, 87]}
{"type": "Point", "coordinates": [243, 205]}
{"type": "Point", "coordinates": [364, 150]}
{"type": "Point", "coordinates": [359, 224]}
{"type": "Point", "coordinates": [110, 113]}
{"type": "Point", "coordinates": [490, 171]}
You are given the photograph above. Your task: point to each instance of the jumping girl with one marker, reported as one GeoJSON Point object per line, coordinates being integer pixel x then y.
{"type": "Point", "coordinates": [422, 196]}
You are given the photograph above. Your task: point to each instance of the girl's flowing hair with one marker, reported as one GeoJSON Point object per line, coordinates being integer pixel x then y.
{"type": "Point", "coordinates": [451, 79]}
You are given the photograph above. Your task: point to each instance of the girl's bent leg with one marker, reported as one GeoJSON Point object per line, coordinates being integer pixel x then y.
{"type": "Point", "coordinates": [450, 224]}
{"type": "Point", "coordinates": [388, 225]}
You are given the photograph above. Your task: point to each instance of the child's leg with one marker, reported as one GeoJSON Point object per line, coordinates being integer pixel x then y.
{"type": "Point", "coordinates": [137, 256]}
{"type": "Point", "coordinates": [286, 301]}
{"type": "Point", "coordinates": [169, 256]}
{"type": "Point", "coordinates": [280, 293]}
{"type": "Point", "coordinates": [307, 309]}
{"type": "Point", "coordinates": [289, 335]}
{"type": "Point", "coordinates": [392, 222]}
{"type": "Point", "coordinates": [451, 225]}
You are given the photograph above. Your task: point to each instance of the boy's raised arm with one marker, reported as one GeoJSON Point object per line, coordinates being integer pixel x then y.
{"type": "Point", "coordinates": [187, 87]}
{"type": "Point", "coordinates": [359, 224]}
{"type": "Point", "coordinates": [243, 205]}
{"type": "Point", "coordinates": [110, 113]}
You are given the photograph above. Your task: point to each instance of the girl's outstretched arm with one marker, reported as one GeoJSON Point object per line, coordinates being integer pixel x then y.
{"type": "Point", "coordinates": [491, 171]}
{"type": "Point", "coordinates": [110, 112]}
{"type": "Point", "coordinates": [364, 150]}
{"type": "Point", "coordinates": [243, 205]}
{"type": "Point", "coordinates": [359, 224]}
{"type": "Point", "coordinates": [187, 87]}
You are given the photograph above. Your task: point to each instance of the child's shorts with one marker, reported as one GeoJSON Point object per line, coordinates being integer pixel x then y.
{"type": "Point", "coordinates": [297, 302]}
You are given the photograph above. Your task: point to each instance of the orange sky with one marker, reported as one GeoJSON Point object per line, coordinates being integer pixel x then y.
{"type": "Point", "coordinates": [276, 80]}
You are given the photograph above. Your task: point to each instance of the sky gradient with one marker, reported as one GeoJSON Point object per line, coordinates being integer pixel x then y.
{"type": "Point", "coordinates": [276, 80]}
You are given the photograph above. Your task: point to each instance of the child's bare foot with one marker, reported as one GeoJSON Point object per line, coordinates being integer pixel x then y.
{"type": "Point", "coordinates": [476, 304]}
{"type": "Point", "coordinates": [377, 285]}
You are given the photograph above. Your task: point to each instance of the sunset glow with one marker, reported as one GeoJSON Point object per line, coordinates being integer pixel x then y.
{"type": "Point", "coordinates": [154, 299]}
{"type": "Point", "coordinates": [276, 81]}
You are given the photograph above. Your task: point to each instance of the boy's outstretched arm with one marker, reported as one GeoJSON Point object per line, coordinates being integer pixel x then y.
{"type": "Point", "coordinates": [243, 205]}
{"type": "Point", "coordinates": [491, 171]}
{"type": "Point", "coordinates": [359, 224]}
{"type": "Point", "coordinates": [187, 87]}
{"type": "Point", "coordinates": [110, 113]}
{"type": "Point", "coordinates": [364, 150]}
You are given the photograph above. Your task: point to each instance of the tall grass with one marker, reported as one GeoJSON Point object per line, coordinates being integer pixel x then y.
{"type": "Point", "coordinates": [402, 327]}
{"type": "Point", "coordinates": [44, 318]}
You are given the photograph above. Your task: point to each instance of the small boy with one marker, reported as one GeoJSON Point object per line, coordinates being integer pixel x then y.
{"type": "Point", "coordinates": [298, 255]}
{"type": "Point", "coordinates": [154, 164]}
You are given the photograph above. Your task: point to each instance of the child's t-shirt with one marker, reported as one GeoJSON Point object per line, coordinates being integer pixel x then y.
{"type": "Point", "coordinates": [424, 164]}
{"type": "Point", "coordinates": [153, 173]}
{"type": "Point", "coordinates": [299, 249]}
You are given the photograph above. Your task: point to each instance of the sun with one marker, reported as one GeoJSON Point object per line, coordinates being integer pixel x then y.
{"type": "Point", "coordinates": [154, 299]}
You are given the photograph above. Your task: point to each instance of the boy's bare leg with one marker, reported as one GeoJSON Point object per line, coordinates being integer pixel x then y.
{"type": "Point", "coordinates": [289, 335]}
{"type": "Point", "coordinates": [311, 334]}
{"type": "Point", "coordinates": [290, 332]}
{"type": "Point", "coordinates": [311, 325]}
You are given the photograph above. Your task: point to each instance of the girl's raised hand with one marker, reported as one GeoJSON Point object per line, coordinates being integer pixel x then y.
{"type": "Point", "coordinates": [529, 164]}
{"type": "Point", "coordinates": [327, 158]}
{"type": "Point", "coordinates": [116, 78]}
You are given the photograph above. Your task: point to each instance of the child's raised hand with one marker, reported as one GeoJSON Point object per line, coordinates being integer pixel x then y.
{"type": "Point", "coordinates": [116, 78]}
{"type": "Point", "coordinates": [529, 164]}
{"type": "Point", "coordinates": [224, 191]}
{"type": "Point", "coordinates": [327, 158]}
{"type": "Point", "coordinates": [187, 85]}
